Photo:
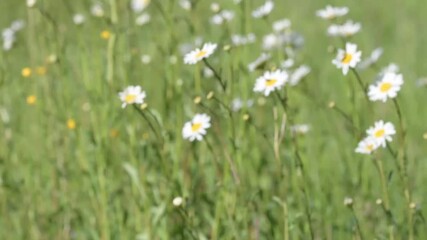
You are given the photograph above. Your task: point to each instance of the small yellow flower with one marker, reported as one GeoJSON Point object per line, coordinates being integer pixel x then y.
{"type": "Point", "coordinates": [26, 72]}
{"type": "Point", "coordinates": [105, 34]}
{"type": "Point", "coordinates": [71, 124]}
{"type": "Point", "coordinates": [114, 133]}
{"type": "Point", "coordinates": [197, 100]}
{"type": "Point", "coordinates": [31, 100]}
{"type": "Point", "coordinates": [41, 71]}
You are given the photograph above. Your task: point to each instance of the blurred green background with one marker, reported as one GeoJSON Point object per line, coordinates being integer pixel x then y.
{"type": "Point", "coordinates": [104, 179]}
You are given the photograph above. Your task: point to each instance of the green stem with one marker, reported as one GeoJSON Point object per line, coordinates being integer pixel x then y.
{"type": "Point", "coordinates": [216, 74]}
{"type": "Point", "coordinates": [403, 166]}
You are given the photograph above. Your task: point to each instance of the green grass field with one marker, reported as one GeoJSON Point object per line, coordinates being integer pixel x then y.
{"type": "Point", "coordinates": [74, 164]}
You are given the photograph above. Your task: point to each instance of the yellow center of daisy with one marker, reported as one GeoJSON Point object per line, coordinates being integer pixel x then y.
{"type": "Point", "coordinates": [196, 127]}
{"type": "Point", "coordinates": [201, 54]}
{"type": "Point", "coordinates": [384, 87]}
{"type": "Point", "coordinates": [347, 58]}
{"type": "Point", "coordinates": [379, 133]}
{"type": "Point", "coordinates": [369, 147]}
{"type": "Point", "coordinates": [270, 82]}
{"type": "Point", "coordinates": [130, 98]}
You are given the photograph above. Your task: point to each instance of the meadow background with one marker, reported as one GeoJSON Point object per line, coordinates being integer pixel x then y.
{"type": "Point", "coordinates": [75, 165]}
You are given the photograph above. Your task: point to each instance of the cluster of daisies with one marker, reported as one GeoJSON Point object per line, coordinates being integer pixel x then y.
{"type": "Point", "coordinates": [192, 130]}
{"type": "Point", "coordinates": [268, 82]}
{"type": "Point", "coordinates": [388, 83]}
{"type": "Point", "coordinates": [137, 7]}
{"type": "Point", "coordinates": [9, 34]}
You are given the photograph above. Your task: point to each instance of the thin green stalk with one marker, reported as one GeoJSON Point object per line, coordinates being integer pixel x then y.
{"type": "Point", "coordinates": [150, 124]}
{"type": "Point", "coordinates": [112, 43]}
{"type": "Point", "coordinates": [359, 230]}
{"type": "Point", "coordinates": [361, 84]}
{"type": "Point", "coordinates": [385, 193]}
{"type": "Point", "coordinates": [300, 168]}
{"type": "Point", "coordinates": [216, 74]}
{"type": "Point", "coordinates": [403, 166]}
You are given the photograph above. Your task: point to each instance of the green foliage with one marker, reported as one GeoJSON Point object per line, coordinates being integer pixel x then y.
{"type": "Point", "coordinates": [113, 177]}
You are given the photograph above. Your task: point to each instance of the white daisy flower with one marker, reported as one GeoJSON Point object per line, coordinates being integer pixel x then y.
{"type": "Point", "coordinates": [196, 55]}
{"type": "Point", "coordinates": [300, 129]}
{"type": "Point", "coordinates": [132, 95]}
{"type": "Point", "coordinates": [332, 12]}
{"type": "Point", "coordinates": [367, 146]}
{"type": "Point", "coordinates": [185, 4]}
{"type": "Point", "coordinates": [281, 25]}
{"type": "Point", "coordinates": [145, 59]}
{"type": "Point", "coordinates": [138, 6]}
{"type": "Point", "coordinates": [381, 132]}
{"type": "Point", "coordinates": [258, 62]}
{"type": "Point", "coordinates": [263, 10]}
{"type": "Point", "coordinates": [97, 10]}
{"type": "Point", "coordinates": [271, 41]}
{"type": "Point", "coordinates": [387, 87]}
{"type": "Point", "coordinates": [238, 104]}
{"type": "Point", "coordinates": [299, 74]}
{"type": "Point", "coordinates": [392, 67]}
{"type": "Point", "coordinates": [17, 25]}
{"type": "Point", "coordinates": [8, 44]}
{"type": "Point", "coordinates": [348, 29]}
{"type": "Point", "coordinates": [8, 38]}
{"type": "Point", "coordinates": [207, 72]}
{"type": "Point", "coordinates": [347, 58]}
{"type": "Point", "coordinates": [31, 3]}
{"type": "Point", "coordinates": [271, 81]}
{"type": "Point", "coordinates": [215, 7]}
{"type": "Point", "coordinates": [421, 82]}
{"type": "Point", "coordinates": [239, 40]}
{"type": "Point", "coordinates": [372, 59]}
{"type": "Point", "coordinates": [196, 128]}
{"type": "Point", "coordinates": [8, 34]}
{"type": "Point", "coordinates": [222, 17]}
{"type": "Point", "coordinates": [78, 19]}
{"type": "Point", "coordinates": [142, 19]}
{"type": "Point", "coordinates": [288, 63]}
{"type": "Point", "coordinates": [177, 201]}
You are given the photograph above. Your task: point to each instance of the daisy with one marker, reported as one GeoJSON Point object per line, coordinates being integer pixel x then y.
{"type": "Point", "coordinates": [17, 25]}
{"type": "Point", "coordinates": [138, 6]}
{"type": "Point", "coordinates": [222, 17]}
{"type": "Point", "coordinates": [185, 4]}
{"type": "Point", "coordinates": [300, 129]}
{"type": "Point", "coordinates": [196, 128]}
{"type": "Point", "coordinates": [263, 10]}
{"type": "Point", "coordinates": [78, 19]}
{"type": "Point", "coordinates": [97, 10]}
{"type": "Point", "coordinates": [299, 74]}
{"type": "Point", "coordinates": [332, 12]}
{"type": "Point", "coordinates": [281, 25]}
{"type": "Point", "coordinates": [259, 62]}
{"type": "Point", "coordinates": [381, 132]}
{"type": "Point", "coordinates": [271, 81]}
{"type": "Point", "coordinates": [348, 29]}
{"type": "Point", "coordinates": [238, 104]}
{"type": "Point", "coordinates": [347, 58]}
{"type": "Point", "coordinates": [239, 40]}
{"type": "Point", "coordinates": [132, 95]}
{"type": "Point", "coordinates": [31, 3]}
{"type": "Point", "coordinates": [196, 55]}
{"type": "Point", "coordinates": [142, 19]}
{"type": "Point", "coordinates": [372, 59]}
{"type": "Point", "coordinates": [387, 87]}
{"type": "Point", "coordinates": [392, 67]}
{"type": "Point", "coordinates": [367, 146]}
